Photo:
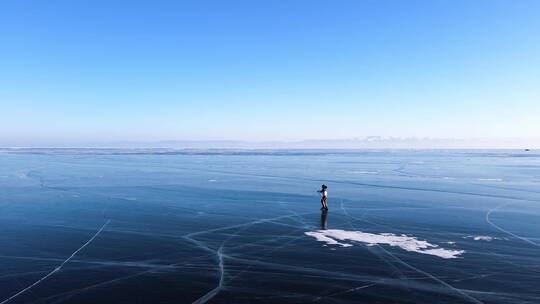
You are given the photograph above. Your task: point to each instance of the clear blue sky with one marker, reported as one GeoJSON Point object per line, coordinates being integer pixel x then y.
{"type": "Point", "coordinates": [75, 71]}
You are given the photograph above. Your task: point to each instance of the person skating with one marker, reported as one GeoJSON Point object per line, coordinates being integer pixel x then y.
{"type": "Point", "coordinates": [324, 196]}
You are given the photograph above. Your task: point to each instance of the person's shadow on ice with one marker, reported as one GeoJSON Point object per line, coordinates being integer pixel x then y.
{"type": "Point", "coordinates": [324, 220]}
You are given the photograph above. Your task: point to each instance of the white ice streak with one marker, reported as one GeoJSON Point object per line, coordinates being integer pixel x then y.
{"type": "Point", "coordinates": [408, 243]}
{"type": "Point", "coordinates": [364, 172]}
{"type": "Point", "coordinates": [481, 238]}
{"type": "Point", "coordinates": [58, 267]}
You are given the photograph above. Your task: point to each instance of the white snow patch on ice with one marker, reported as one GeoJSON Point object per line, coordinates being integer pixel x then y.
{"type": "Point", "coordinates": [321, 237]}
{"type": "Point", "coordinates": [344, 238]}
{"type": "Point", "coordinates": [486, 238]}
{"type": "Point", "coordinates": [483, 238]}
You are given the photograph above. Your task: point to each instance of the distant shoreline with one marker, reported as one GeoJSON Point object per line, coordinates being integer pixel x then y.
{"type": "Point", "coordinates": [256, 151]}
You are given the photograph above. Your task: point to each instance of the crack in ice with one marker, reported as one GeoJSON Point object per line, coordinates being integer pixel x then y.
{"type": "Point", "coordinates": [209, 295]}
{"type": "Point", "coordinates": [55, 270]}
{"type": "Point", "coordinates": [488, 220]}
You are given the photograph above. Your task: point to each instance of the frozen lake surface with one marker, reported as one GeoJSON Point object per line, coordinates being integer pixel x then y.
{"type": "Point", "coordinates": [107, 226]}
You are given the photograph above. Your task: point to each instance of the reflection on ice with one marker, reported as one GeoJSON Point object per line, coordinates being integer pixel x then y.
{"type": "Point", "coordinates": [324, 220]}
{"type": "Point", "coordinates": [408, 243]}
